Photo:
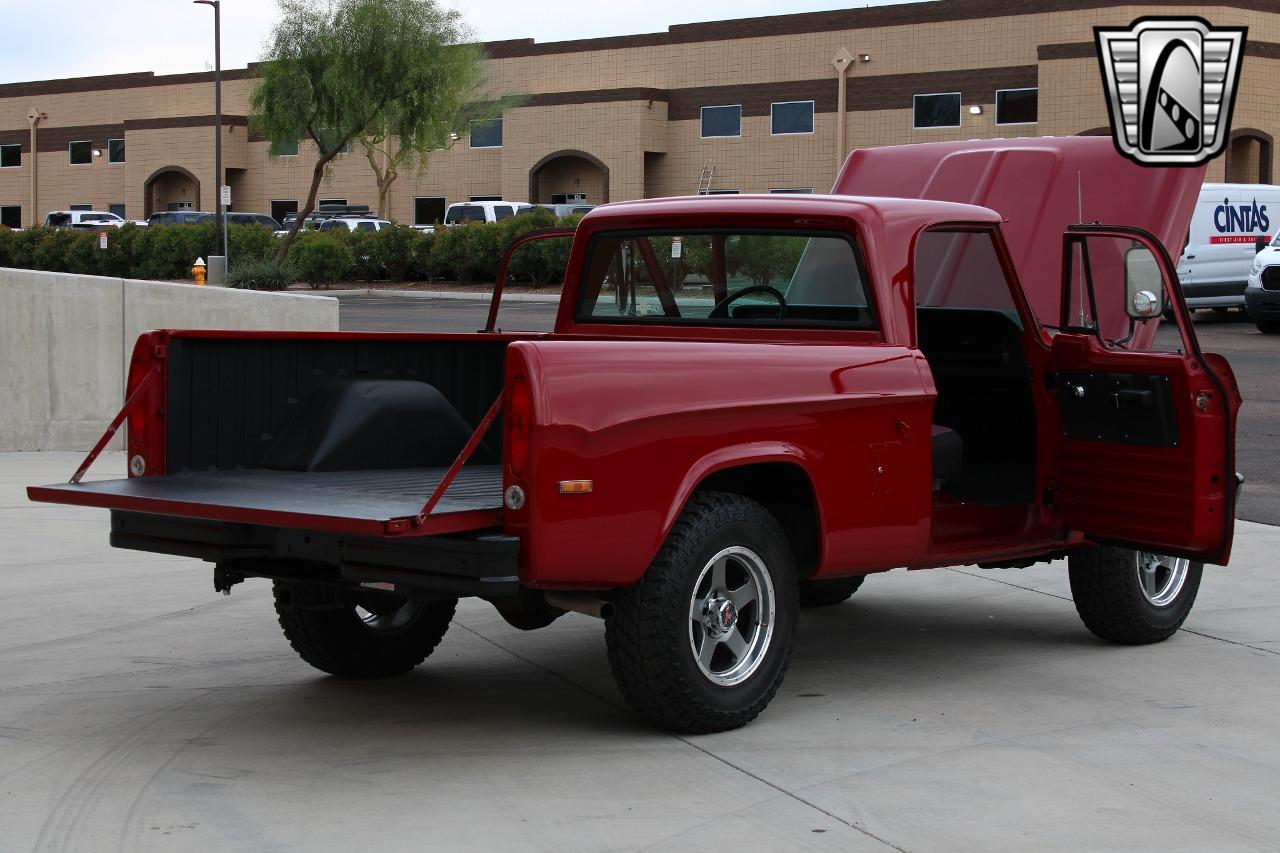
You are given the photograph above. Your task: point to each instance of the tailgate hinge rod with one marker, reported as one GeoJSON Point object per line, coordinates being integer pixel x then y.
{"type": "Point", "coordinates": [129, 405]}
{"type": "Point", "coordinates": [467, 451]}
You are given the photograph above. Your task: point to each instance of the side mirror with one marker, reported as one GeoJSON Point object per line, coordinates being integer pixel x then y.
{"type": "Point", "coordinates": [1143, 284]}
{"type": "Point", "coordinates": [1259, 244]}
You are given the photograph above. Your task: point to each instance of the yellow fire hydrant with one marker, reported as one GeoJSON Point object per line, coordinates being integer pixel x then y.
{"type": "Point", "coordinates": [198, 270]}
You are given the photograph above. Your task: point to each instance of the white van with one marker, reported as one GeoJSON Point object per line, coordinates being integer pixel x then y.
{"type": "Point", "coordinates": [1222, 242]}
{"type": "Point", "coordinates": [483, 211]}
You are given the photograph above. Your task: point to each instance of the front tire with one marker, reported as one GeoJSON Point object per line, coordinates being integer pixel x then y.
{"type": "Point", "coordinates": [1268, 327]}
{"type": "Point", "coordinates": [701, 643]}
{"type": "Point", "coordinates": [1132, 597]}
{"type": "Point", "coordinates": [377, 636]}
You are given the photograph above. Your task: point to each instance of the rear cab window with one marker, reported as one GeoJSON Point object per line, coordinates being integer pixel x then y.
{"type": "Point", "coordinates": [736, 279]}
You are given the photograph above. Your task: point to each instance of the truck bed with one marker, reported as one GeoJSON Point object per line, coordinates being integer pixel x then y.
{"type": "Point", "coordinates": [359, 502]}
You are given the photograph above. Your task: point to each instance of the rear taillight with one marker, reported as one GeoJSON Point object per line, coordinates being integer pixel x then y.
{"type": "Point", "coordinates": [519, 424]}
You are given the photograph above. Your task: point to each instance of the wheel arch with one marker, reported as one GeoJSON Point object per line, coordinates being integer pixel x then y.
{"type": "Point", "coordinates": [775, 476]}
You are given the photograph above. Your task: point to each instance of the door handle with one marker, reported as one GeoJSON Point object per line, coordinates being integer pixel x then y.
{"type": "Point", "coordinates": [1132, 398]}
{"type": "Point", "coordinates": [1190, 257]}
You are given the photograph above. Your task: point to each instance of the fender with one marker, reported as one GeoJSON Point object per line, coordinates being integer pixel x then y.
{"type": "Point", "coordinates": [737, 456]}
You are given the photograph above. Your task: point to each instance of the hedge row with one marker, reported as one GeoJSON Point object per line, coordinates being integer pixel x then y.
{"type": "Point", "coordinates": [468, 253]}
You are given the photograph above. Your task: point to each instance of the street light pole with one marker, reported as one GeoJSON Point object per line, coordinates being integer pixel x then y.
{"type": "Point", "coordinates": [217, 118]}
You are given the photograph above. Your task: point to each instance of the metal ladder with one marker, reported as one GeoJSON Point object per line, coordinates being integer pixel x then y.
{"type": "Point", "coordinates": [704, 182]}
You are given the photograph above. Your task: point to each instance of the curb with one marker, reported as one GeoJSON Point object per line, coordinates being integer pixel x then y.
{"type": "Point", "coordinates": [441, 294]}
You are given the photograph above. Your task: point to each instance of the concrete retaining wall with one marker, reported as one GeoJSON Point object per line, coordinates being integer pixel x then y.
{"type": "Point", "coordinates": [65, 341]}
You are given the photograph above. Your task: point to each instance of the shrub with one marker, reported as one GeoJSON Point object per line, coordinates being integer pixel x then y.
{"type": "Point", "coordinates": [50, 252]}
{"type": "Point", "coordinates": [320, 259]}
{"type": "Point", "coordinates": [364, 257]}
{"type": "Point", "coordinates": [168, 251]}
{"type": "Point", "coordinates": [84, 254]}
{"type": "Point", "coordinates": [426, 263]}
{"type": "Point", "coordinates": [8, 239]}
{"type": "Point", "coordinates": [393, 248]}
{"type": "Point", "coordinates": [248, 243]}
{"type": "Point", "coordinates": [261, 274]}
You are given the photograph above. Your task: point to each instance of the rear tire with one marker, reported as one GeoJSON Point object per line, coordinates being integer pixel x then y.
{"type": "Point", "coordinates": [1268, 327]}
{"type": "Point", "coordinates": [1132, 597]}
{"type": "Point", "coordinates": [381, 636]}
{"type": "Point", "coordinates": [827, 593]}
{"type": "Point", "coordinates": [701, 643]}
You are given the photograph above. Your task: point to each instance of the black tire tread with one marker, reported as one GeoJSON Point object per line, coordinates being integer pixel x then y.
{"type": "Point", "coordinates": [644, 657]}
{"type": "Point", "coordinates": [334, 641]}
{"type": "Point", "coordinates": [1105, 590]}
{"type": "Point", "coordinates": [1268, 327]}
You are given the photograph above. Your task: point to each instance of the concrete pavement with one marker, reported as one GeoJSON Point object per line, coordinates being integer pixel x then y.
{"type": "Point", "coordinates": [944, 710]}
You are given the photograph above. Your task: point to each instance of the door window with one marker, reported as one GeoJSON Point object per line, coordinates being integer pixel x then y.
{"type": "Point", "coordinates": [1117, 291]}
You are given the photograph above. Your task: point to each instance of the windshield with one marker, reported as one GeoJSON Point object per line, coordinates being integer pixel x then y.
{"type": "Point", "coordinates": [776, 279]}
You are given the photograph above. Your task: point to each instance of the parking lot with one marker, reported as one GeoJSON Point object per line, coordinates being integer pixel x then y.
{"type": "Point", "coordinates": [944, 710]}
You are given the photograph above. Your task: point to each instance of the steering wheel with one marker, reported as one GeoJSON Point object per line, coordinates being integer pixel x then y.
{"type": "Point", "coordinates": [721, 311]}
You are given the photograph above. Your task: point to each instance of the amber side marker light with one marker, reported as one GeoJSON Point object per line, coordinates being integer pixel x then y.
{"type": "Point", "coordinates": [575, 487]}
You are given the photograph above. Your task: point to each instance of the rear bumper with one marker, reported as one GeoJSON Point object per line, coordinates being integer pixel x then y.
{"type": "Point", "coordinates": [474, 564]}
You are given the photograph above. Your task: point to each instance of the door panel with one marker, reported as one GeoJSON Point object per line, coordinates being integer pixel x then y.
{"type": "Point", "coordinates": [1147, 455]}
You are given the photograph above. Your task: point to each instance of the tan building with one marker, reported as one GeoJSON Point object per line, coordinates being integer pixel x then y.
{"type": "Point", "coordinates": [752, 105]}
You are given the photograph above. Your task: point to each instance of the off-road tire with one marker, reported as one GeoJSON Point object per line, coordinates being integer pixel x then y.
{"type": "Point", "coordinates": [1268, 327]}
{"type": "Point", "coordinates": [648, 634]}
{"type": "Point", "coordinates": [1111, 603]}
{"type": "Point", "coordinates": [336, 641]}
{"type": "Point", "coordinates": [827, 593]}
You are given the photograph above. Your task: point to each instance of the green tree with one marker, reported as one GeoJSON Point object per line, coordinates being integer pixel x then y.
{"type": "Point", "coordinates": [335, 70]}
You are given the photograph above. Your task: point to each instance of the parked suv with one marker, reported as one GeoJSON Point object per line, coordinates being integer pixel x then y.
{"type": "Point", "coordinates": [244, 219]}
{"type": "Point", "coordinates": [177, 217]}
{"type": "Point", "coordinates": [1262, 295]}
{"type": "Point", "coordinates": [78, 218]}
{"type": "Point", "coordinates": [462, 212]}
{"type": "Point", "coordinates": [354, 223]}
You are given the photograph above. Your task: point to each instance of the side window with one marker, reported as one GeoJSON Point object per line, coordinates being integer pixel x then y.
{"type": "Point", "coordinates": [502, 211]}
{"type": "Point", "coordinates": [960, 269]}
{"type": "Point", "coordinates": [366, 226]}
{"type": "Point", "coordinates": [773, 279]}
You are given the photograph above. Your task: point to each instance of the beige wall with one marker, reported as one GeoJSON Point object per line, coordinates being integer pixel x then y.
{"type": "Point", "coordinates": [65, 342]}
{"type": "Point", "coordinates": [625, 135]}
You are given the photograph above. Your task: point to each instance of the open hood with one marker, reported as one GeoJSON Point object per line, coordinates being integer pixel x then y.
{"type": "Point", "coordinates": [1040, 186]}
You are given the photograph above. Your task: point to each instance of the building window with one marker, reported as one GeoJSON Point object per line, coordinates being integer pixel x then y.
{"type": "Point", "coordinates": [485, 198]}
{"type": "Point", "coordinates": [80, 207]}
{"type": "Point", "coordinates": [941, 110]}
{"type": "Point", "coordinates": [428, 209]}
{"type": "Point", "coordinates": [1017, 106]}
{"type": "Point", "coordinates": [80, 153]}
{"type": "Point", "coordinates": [280, 208]}
{"type": "Point", "coordinates": [10, 156]}
{"type": "Point", "coordinates": [486, 134]}
{"type": "Point", "coordinates": [115, 150]}
{"type": "Point", "coordinates": [287, 148]}
{"type": "Point", "coordinates": [787, 117]}
{"type": "Point", "coordinates": [328, 139]}
{"type": "Point", "coordinates": [723, 192]}
{"type": "Point", "coordinates": [795, 190]}
{"type": "Point", "coordinates": [721, 121]}
{"type": "Point", "coordinates": [11, 216]}
{"type": "Point", "coordinates": [117, 209]}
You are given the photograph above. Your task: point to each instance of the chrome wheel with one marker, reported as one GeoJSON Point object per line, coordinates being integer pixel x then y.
{"type": "Point", "coordinates": [1161, 577]}
{"type": "Point", "coordinates": [388, 618]}
{"type": "Point", "coordinates": [731, 616]}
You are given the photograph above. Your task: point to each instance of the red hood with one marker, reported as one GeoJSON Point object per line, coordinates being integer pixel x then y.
{"type": "Point", "coordinates": [1040, 186]}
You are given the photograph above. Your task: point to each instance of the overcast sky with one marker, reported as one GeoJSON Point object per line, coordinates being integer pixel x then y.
{"type": "Point", "coordinates": [44, 40]}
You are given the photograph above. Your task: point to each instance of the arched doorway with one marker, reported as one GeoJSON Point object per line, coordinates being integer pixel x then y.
{"type": "Point", "coordinates": [1095, 131]}
{"type": "Point", "coordinates": [1248, 160]}
{"type": "Point", "coordinates": [171, 188]}
{"type": "Point", "coordinates": [569, 173]}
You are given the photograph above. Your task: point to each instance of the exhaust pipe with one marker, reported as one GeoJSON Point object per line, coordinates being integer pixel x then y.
{"type": "Point", "coordinates": [580, 602]}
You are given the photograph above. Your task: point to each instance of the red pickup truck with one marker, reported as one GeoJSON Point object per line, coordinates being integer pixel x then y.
{"type": "Point", "coordinates": [747, 405]}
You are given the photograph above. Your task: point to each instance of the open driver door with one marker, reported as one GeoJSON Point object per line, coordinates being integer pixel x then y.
{"type": "Point", "coordinates": [1146, 457]}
